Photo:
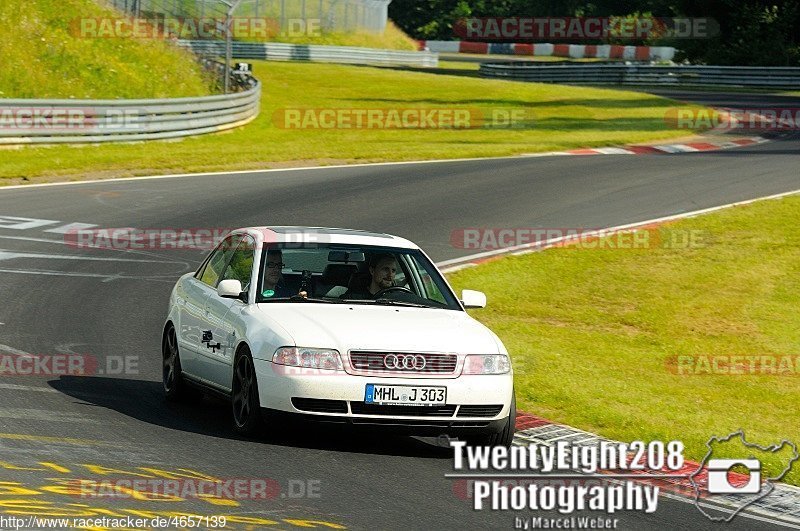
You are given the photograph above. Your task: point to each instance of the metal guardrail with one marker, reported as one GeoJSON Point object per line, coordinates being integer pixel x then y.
{"type": "Point", "coordinates": [35, 121]}
{"type": "Point", "coordinates": [646, 74]}
{"type": "Point", "coordinates": [38, 121]}
{"type": "Point", "coordinates": [277, 51]}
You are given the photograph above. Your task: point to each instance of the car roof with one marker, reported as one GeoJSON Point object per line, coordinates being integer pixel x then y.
{"type": "Point", "coordinates": [300, 234]}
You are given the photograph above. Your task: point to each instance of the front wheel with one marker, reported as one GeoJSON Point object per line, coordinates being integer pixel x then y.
{"type": "Point", "coordinates": [246, 405]}
{"type": "Point", "coordinates": [172, 376]}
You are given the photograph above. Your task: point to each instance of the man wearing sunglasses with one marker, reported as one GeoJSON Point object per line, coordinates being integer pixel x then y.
{"type": "Point", "coordinates": [272, 285]}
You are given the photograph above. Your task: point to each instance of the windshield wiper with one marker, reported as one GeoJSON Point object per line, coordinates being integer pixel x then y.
{"type": "Point", "coordinates": [298, 298]}
{"type": "Point", "coordinates": [394, 302]}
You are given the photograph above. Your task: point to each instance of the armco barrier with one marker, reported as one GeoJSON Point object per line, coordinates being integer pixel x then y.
{"type": "Point", "coordinates": [278, 51]}
{"type": "Point", "coordinates": [644, 74]}
{"type": "Point", "coordinates": [575, 51]}
{"type": "Point", "coordinates": [35, 121]}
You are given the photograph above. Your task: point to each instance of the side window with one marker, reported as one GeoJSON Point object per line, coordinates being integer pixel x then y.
{"type": "Point", "coordinates": [241, 264]}
{"type": "Point", "coordinates": [431, 291]}
{"type": "Point", "coordinates": [219, 259]}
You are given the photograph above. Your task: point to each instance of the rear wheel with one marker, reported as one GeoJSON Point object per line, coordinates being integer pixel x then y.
{"type": "Point", "coordinates": [245, 402]}
{"type": "Point", "coordinates": [172, 376]}
{"type": "Point", "coordinates": [503, 436]}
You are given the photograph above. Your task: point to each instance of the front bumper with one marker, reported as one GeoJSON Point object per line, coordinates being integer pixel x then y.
{"type": "Point", "coordinates": [418, 427]}
{"type": "Point", "coordinates": [336, 396]}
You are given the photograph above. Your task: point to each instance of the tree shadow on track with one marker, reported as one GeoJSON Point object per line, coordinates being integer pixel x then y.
{"type": "Point", "coordinates": [210, 416]}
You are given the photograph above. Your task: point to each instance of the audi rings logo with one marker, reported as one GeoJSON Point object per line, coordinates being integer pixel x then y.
{"type": "Point", "coordinates": [408, 362]}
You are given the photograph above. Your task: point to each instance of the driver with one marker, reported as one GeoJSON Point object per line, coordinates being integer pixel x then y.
{"type": "Point", "coordinates": [382, 270]}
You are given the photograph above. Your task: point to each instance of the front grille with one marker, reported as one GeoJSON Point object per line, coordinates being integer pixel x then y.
{"type": "Point", "coordinates": [318, 405]}
{"type": "Point", "coordinates": [376, 362]}
{"type": "Point", "coordinates": [417, 423]}
{"type": "Point", "coordinates": [360, 408]}
{"type": "Point", "coordinates": [479, 411]}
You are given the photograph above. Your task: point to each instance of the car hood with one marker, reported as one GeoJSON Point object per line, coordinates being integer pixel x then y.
{"type": "Point", "coordinates": [365, 327]}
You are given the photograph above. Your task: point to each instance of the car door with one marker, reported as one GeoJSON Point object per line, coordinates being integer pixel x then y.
{"type": "Point", "coordinates": [223, 318]}
{"type": "Point", "coordinates": [196, 292]}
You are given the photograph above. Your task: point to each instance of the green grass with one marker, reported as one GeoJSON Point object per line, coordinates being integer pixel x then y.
{"type": "Point", "coordinates": [564, 117]}
{"type": "Point", "coordinates": [392, 38]}
{"type": "Point", "coordinates": [43, 58]}
{"type": "Point", "coordinates": [595, 333]}
{"type": "Point", "coordinates": [455, 62]}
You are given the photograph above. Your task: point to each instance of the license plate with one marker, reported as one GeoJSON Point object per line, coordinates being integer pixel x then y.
{"type": "Point", "coordinates": [405, 395]}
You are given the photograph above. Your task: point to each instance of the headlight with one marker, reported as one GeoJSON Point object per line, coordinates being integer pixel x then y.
{"type": "Point", "coordinates": [486, 364]}
{"type": "Point", "coordinates": [314, 358]}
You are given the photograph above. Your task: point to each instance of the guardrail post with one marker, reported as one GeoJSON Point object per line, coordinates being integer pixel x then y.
{"type": "Point", "coordinates": [229, 40]}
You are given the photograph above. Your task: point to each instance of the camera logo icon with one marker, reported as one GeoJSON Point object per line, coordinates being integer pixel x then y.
{"type": "Point", "coordinates": [719, 483]}
{"type": "Point", "coordinates": [726, 492]}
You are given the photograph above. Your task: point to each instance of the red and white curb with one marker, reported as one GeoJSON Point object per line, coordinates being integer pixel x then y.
{"type": "Point", "coordinates": [575, 51]}
{"type": "Point", "coordinates": [689, 147]}
{"type": "Point", "coordinates": [782, 504]}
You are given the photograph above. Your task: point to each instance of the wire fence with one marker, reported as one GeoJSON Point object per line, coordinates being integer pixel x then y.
{"type": "Point", "coordinates": [328, 15]}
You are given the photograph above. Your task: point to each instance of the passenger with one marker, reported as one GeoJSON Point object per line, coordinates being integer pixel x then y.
{"type": "Point", "coordinates": [273, 287]}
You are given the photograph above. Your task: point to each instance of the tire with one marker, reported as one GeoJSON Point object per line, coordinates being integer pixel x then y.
{"type": "Point", "coordinates": [245, 404]}
{"type": "Point", "coordinates": [175, 387]}
{"type": "Point", "coordinates": [503, 436]}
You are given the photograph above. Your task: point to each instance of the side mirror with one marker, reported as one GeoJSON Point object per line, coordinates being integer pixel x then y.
{"type": "Point", "coordinates": [231, 289]}
{"type": "Point", "coordinates": [473, 299]}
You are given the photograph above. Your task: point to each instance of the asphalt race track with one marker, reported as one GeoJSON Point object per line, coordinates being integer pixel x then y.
{"type": "Point", "coordinates": [111, 305]}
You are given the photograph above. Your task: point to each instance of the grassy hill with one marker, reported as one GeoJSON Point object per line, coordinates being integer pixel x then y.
{"type": "Point", "coordinates": [392, 38]}
{"type": "Point", "coordinates": [40, 57]}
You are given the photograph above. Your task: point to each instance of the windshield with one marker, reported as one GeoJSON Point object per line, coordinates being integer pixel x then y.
{"type": "Point", "coordinates": [353, 274]}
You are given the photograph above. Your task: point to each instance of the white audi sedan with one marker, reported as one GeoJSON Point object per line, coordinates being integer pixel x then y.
{"type": "Point", "coordinates": [337, 325]}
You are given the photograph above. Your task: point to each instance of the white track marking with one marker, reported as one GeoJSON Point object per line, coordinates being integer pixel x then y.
{"type": "Point", "coordinates": [455, 264]}
{"type": "Point", "coordinates": [9, 255]}
{"type": "Point", "coordinates": [109, 277]}
{"type": "Point", "coordinates": [5, 349]}
{"type": "Point", "coordinates": [43, 415]}
{"type": "Point", "coordinates": [27, 239]}
{"type": "Point", "coordinates": [17, 223]}
{"type": "Point", "coordinates": [186, 265]}
{"type": "Point", "coordinates": [71, 227]}
{"type": "Point", "coordinates": [614, 151]}
{"type": "Point", "coordinates": [302, 168]}
{"type": "Point", "coordinates": [15, 387]}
